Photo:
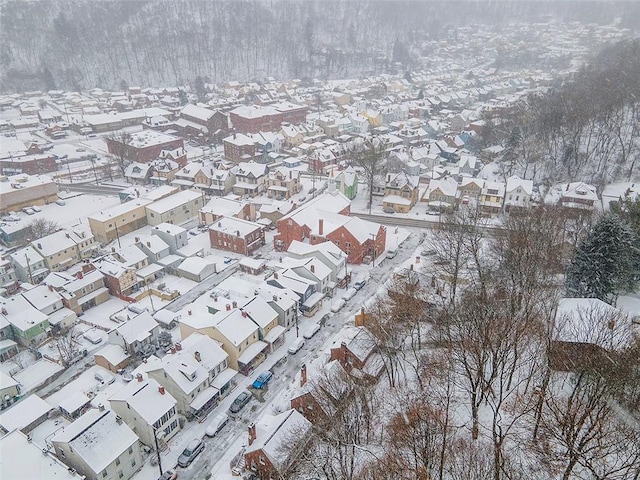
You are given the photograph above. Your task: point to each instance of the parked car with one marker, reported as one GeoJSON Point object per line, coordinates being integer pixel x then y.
{"type": "Point", "coordinates": [104, 377]}
{"type": "Point", "coordinates": [61, 202]}
{"type": "Point", "coordinates": [187, 456]}
{"type": "Point", "coordinates": [348, 295]}
{"type": "Point", "coordinates": [35, 208]}
{"type": "Point", "coordinates": [296, 345]}
{"type": "Point", "coordinates": [228, 260]}
{"type": "Point", "coordinates": [262, 379]}
{"type": "Point", "coordinates": [28, 210]}
{"type": "Point", "coordinates": [324, 319]}
{"type": "Point", "coordinates": [93, 336]}
{"type": "Point", "coordinates": [240, 401]}
{"type": "Point", "coordinates": [168, 475]}
{"type": "Point", "coordinates": [311, 332]}
{"type": "Point", "coordinates": [10, 218]}
{"type": "Point", "coordinates": [216, 424]}
{"type": "Point", "coordinates": [391, 253]}
{"type": "Point", "coordinates": [338, 304]}
{"type": "Point", "coordinates": [388, 210]}
{"type": "Point", "coordinates": [358, 285]}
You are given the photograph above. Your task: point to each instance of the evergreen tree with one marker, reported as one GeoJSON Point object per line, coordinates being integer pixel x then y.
{"type": "Point", "coordinates": [603, 263]}
{"type": "Point", "coordinates": [200, 88]}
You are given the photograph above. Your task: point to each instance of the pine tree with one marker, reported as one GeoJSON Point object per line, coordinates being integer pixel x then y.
{"type": "Point", "coordinates": [603, 263]}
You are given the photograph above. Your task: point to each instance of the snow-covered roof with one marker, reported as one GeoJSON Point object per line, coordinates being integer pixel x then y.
{"type": "Point", "coordinates": [198, 266]}
{"type": "Point", "coordinates": [234, 226]}
{"type": "Point", "coordinates": [98, 438]}
{"type": "Point", "coordinates": [42, 298]}
{"type": "Point", "coordinates": [259, 311]}
{"type": "Point", "coordinates": [211, 354]}
{"type": "Point", "coordinates": [118, 210]}
{"type": "Point", "coordinates": [22, 414]}
{"type": "Point", "coordinates": [198, 112]}
{"type": "Point", "coordinates": [274, 436]}
{"type": "Point", "coordinates": [114, 354]}
{"type": "Point", "coordinates": [515, 182]}
{"type": "Point", "coordinates": [173, 201]}
{"type": "Point", "coordinates": [154, 244]}
{"type": "Point", "coordinates": [146, 399]}
{"type": "Point", "coordinates": [234, 326]}
{"type": "Point", "coordinates": [138, 328]}
{"type": "Point", "coordinates": [20, 313]}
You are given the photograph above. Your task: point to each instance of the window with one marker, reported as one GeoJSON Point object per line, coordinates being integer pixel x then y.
{"type": "Point", "coordinates": [104, 474]}
{"type": "Point", "coordinates": [120, 474]}
{"type": "Point", "coordinates": [118, 461]}
{"type": "Point", "coordinates": [152, 214]}
{"type": "Point", "coordinates": [133, 463]}
{"type": "Point", "coordinates": [130, 450]}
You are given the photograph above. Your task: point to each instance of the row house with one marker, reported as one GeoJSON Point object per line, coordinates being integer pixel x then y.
{"type": "Point", "coordinates": [174, 236]}
{"type": "Point", "coordinates": [251, 178]}
{"type": "Point", "coordinates": [29, 265]}
{"type": "Point", "coordinates": [137, 335]}
{"type": "Point", "coordinates": [163, 171]}
{"type": "Point", "coordinates": [214, 181]}
{"type": "Point", "coordinates": [84, 290]}
{"type": "Point", "coordinates": [283, 301]}
{"type": "Point", "coordinates": [327, 253]}
{"type": "Point", "coordinates": [8, 280]}
{"type": "Point", "coordinates": [309, 299]}
{"type": "Point", "coordinates": [100, 446]}
{"type": "Point", "coordinates": [196, 374]}
{"type": "Point", "coordinates": [266, 318]}
{"type": "Point", "coordinates": [401, 192]}
{"type": "Point", "coordinates": [175, 209]}
{"type": "Point", "coordinates": [226, 207]}
{"type": "Point", "coordinates": [64, 248]}
{"type": "Point", "coordinates": [109, 224]}
{"type": "Point", "coordinates": [233, 329]}
{"type": "Point", "coordinates": [283, 183]}
{"type": "Point", "coordinates": [148, 409]}
{"type": "Point", "coordinates": [442, 194]}
{"type": "Point", "coordinates": [28, 324]}
{"type": "Point", "coordinates": [236, 235]}
{"type": "Point", "coordinates": [120, 279]}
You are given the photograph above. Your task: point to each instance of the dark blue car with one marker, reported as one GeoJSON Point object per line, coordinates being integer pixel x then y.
{"type": "Point", "coordinates": [262, 379]}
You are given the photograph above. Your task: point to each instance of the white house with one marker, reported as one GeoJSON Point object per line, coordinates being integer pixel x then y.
{"type": "Point", "coordinates": [136, 335]}
{"type": "Point", "coordinates": [100, 446]}
{"type": "Point", "coordinates": [517, 193]}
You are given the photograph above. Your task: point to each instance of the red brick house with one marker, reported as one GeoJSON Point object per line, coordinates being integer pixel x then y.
{"type": "Point", "coordinates": [274, 443]}
{"type": "Point", "coordinates": [239, 148]}
{"type": "Point", "coordinates": [321, 398]}
{"type": "Point", "coordinates": [30, 164]}
{"type": "Point", "coordinates": [216, 122]}
{"type": "Point", "coordinates": [236, 235]}
{"type": "Point", "coordinates": [143, 146]}
{"type": "Point", "coordinates": [358, 355]}
{"type": "Point", "coordinates": [298, 224]}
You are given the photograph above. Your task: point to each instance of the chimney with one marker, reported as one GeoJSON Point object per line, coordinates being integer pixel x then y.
{"type": "Point", "coordinates": [137, 239]}
{"type": "Point", "coordinates": [100, 407]}
{"type": "Point", "coordinates": [235, 304]}
{"type": "Point", "coordinates": [313, 268]}
{"type": "Point", "coordinates": [244, 314]}
{"type": "Point", "coordinates": [275, 275]}
{"type": "Point", "coordinates": [148, 244]}
{"type": "Point", "coordinates": [411, 267]}
{"type": "Point", "coordinates": [320, 226]}
{"type": "Point", "coordinates": [50, 288]}
{"type": "Point", "coordinates": [275, 298]}
{"type": "Point", "coordinates": [139, 377]}
{"type": "Point", "coordinates": [228, 307]}
{"type": "Point", "coordinates": [189, 312]}
{"type": "Point", "coordinates": [178, 346]}
{"type": "Point", "coordinates": [86, 268]}
{"type": "Point", "coordinates": [118, 420]}
{"type": "Point", "coordinates": [161, 389]}
{"type": "Point", "coordinates": [197, 356]}
{"type": "Point", "coordinates": [4, 311]}
{"type": "Point", "coordinates": [303, 374]}
{"type": "Point", "coordinates": [173, 349]}
{"type": "Point", "coordinates": [39, 246]}
{"type": "Point", "coordinates": [79, 275]}
{"type": "Point", "coordinates": [360, 318]}
{"type": "Point", "coordinates": [252, 433]}
{"type": "Point", "coordinates": [418, 259]}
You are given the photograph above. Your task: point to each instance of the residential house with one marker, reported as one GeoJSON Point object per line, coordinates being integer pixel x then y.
{"type": "Point", "coordinates": [401, 192]}
{"type": "Point", "coordinates": [175, 209]}
{"type": "Point", "coordinates": [491, 198]}
{"type": "Point", "coordinates": [163, 170]}
{"type": "Point", "coordinates": [138, 335]}
{"type": "Point", "coordinates": [84, 290]}
{"type": "Point", "coordinates": [154, 248]}
{"type": "Point", "coordinates": [235, 331]}
{"type": "Point", "coordinates": [517, 193]}
{"type": "Point", "coordinates": [321, 397]}
{"type": "Point", "coordinates": [297, 224]}
{"type": "Point", "coordinates": [143, 146]}
{"type": "Point", "coordinates": [111, 223]}
{"type": "Point", "coordinates": [251, 178]}
{"type": "Point", "coordinates": [149, 410]}
{"type": "Point", "coordinates": [174, 236]}
{"type": "Point", "coordinates": [112, 357]}
{"type": "Point", "coordinates": [138, 173]}
{"type": "Point", "coordinates": [283, 301]}
{"type": "Point", "coordinates": [100, 446]}
{"type": "Point", "coordinates": [236, 235]}
{"type": "Point", "coordinates": [347, 182]}
{"type": "Point", "coordinates": [578, 196]}
{"type": "Point", "coordinates": [63, 249]}
{"type": "Point", "coordinates": [29, 265]}
{"type": "Point", "coordinates": [358, 355]}
{"type": "Point", "coordinates": [196, 375]}
{"type": "Point", "coordinates": [197, 268]}
{"type": "Point", "coordinates": [309, 299]}
{"type": "Point", "coordinates": [215, 181]}
{"type": "Point", "coordinates": [275, 442]}
{"type": "Point", "coordinates": [120, 279]}
{"type": "Point", "coordinates": [266, 318]}
{"type": "Point", "coordinates": [239, 148]}
{"type": "Point", "coordinates": [328, 253]}
{"type": "Point", "coordinates": [441, 194]}
{"type": "Point", "coordinates": [33, 461]}
{"type": "Point", "coordinates": [29, 325]}
{"type": "Point", "coordinates": [470, 188]}
{"type": "Point", "coordinates": [8, 280]}
{"type": "Point", "coordinates": [226, 207]}
{"type": "Point", "coordinates": [283, 183]}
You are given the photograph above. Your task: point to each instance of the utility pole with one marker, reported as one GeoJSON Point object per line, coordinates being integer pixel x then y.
{"type": "Point", "coordinates": [155, 437]}
{"type": "Point", "coordinates": [115, 222]}
{"type": "Point", "coordinates": [28, 268]}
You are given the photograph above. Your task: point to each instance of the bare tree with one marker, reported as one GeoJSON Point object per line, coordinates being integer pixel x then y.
{"type": "Point", "coordinates": [66, 344]}
{"type": "Point", "coordinates": [118, 144]}
{"type": "Point", "coordinates": [41, 227]}
{"type": "Point", "coordinates": [371, 159]}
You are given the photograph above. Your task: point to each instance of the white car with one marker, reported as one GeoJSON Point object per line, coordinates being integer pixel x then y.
{"type": "Point", "coordinates": [349, 294]}
{"type": "Point", "coordinates": [104, 377]}
{"type": "Point", "coordinates": [35, 208]}
{"type": "Point", "coordinates": [296, 346]}
{"type": "Point", "coordinates": [311, 332]}
{"type": "Point", "coordinates": [216, 425]}
{"type": "Point", "coordinates": [338, 304]}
